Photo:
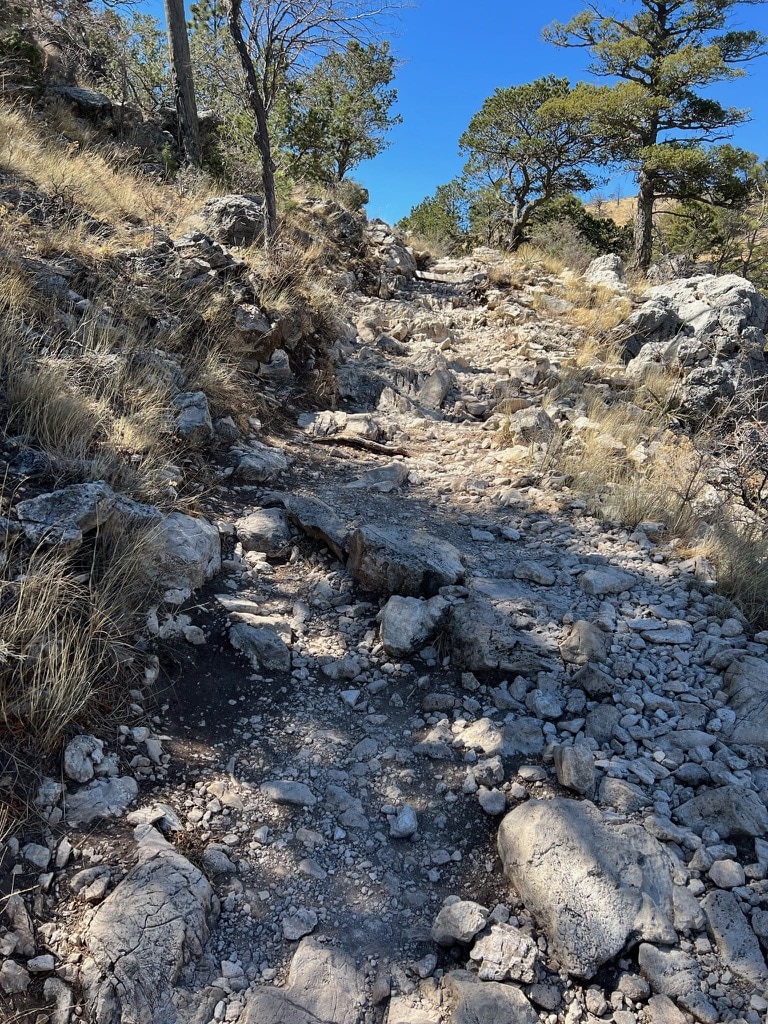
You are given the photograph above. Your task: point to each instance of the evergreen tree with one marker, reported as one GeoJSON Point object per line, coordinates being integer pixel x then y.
{"type": "Point", "coordinates": [657, 118]}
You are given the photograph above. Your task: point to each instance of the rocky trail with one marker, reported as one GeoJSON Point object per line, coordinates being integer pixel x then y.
{"type": "Point", "coordinates": [435, 745]}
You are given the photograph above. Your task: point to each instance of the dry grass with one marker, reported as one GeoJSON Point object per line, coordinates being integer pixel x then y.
{"type": "Point", "coordinates": [92, 410]}
{"type": "Point", "coordinates": [67, 623]}
{"type": "Point", "coordinates": [81, 179]}
{"type": "Point", "coordinates": [740, 556]}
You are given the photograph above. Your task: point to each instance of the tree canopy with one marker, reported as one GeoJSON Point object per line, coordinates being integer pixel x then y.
{"type": "Point", "coordinates": [658, 118]}
{"type": "Point", "coordinates": [528, 144]}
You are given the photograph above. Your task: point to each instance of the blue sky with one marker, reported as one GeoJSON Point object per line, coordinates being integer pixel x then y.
{"type": "Point", "coordinates": [456, 52]}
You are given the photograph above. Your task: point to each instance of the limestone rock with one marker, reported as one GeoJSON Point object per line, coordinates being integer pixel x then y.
{"type": "Point", "coordinates": [606, 580]}
{"type": "Point", "coordinates": [674, 973]}
{"type": "Point", "coordinates": [80, 755]}
{"type": "Point", "coordinates": [156, 920]}
{"type": "Point", "coordinates": [193, 420]}
{"type": "Point", "coordinates": [593, 888]}
{"type": "Point", "coordinates": [484, 639]}
{"type": "Point", "coordinates": [746, 682]}
{"type": "Point", "coordinates": [318, 521]}
{"type": "Point", "coordinates": [531, 425]}
{"type": "Point", "coordinates": [730, 810]}
{"type": "Point", "coordinates": [266, 529]}
{"type": "Point", "coordinates": [459, 922]}
{"type": "Point", "coordinates": [736, 942]}
{"type": "Point", "coordinates": [505, 953]}
{"type": "Point", "coordinates": [263, 645]}
{"type": "Point", "coordinates": [287, 792]}
{"type": "Point", "coordinates": [323, 987]}
{"type": "Point", "coordinates": [486, 1002]}
{"type": "Point", "coordinates": [14, 979]}
{"type": "Point", "coordinates": [187, 552]}
{"type": "Point", "coordinates": [62, 517]}
{"type": "Point", "coordinates": [575, 767]}
{"type": "Point", "coordinates": [258, 463]}
{"type": "Point", "coordinates": [585, 642]}
{"type": "Point", "coordinates": [394, 560]}
{"type": "Point", "coordinates": [407, 623]}
{"type": "Point", "coordinates": [606, 271]}
{"type": "Point", "coordinates": [102, 798]}
{"type": "Point", "coordinates": [234, 219]}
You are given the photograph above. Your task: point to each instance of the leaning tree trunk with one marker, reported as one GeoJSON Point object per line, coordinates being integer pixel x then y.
{"type": "Point", "coordinates": [643, 234]}
{"type": "Point", "coordinates": [261, 135]}
{"type": "Point", "coordinates": [183, 85]}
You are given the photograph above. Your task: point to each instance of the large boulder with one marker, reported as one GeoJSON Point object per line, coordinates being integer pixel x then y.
{"type": "Point", "coordinates": [606, 272]}
{"type": "Point", "coordinates": [186, 552]}
{"type": "Point", "coordinates": [746, 682]}
{"type": "Point", "coordinates": [730, 810]}
{"type": "Point", "coordinates": [234, 219]}
{"type": "Point", "coordinates": [594, 889]}
{"type": "Point", "coordinates": [140, 938]}
{"type": "Point", "coordinates": [63, 517]}
{"type": "Point", "coordinates": [395, 560]}
{"type": "Point", "coordinates": [484, 639]}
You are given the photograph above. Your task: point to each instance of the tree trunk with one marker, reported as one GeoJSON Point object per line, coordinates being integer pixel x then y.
{"type": "Point", "coordinates": [643, 235]}
{"type": "Point", "coordinates": [183, 85]}
{"type": "Point", "coordinates": [261, 135]}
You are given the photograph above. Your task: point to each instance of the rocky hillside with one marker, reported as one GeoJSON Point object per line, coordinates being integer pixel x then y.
{"type": "Point", "coordinates": [420, 672]}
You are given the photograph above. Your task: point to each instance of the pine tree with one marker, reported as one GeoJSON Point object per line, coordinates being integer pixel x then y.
{"type": "Point", "coordinates": [656, 118]}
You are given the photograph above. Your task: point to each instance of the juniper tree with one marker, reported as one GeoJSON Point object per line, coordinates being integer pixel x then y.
{"type": "Point", "coordinates": [657, 117]}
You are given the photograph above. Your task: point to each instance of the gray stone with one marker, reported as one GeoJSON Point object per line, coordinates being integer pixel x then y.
{"type": "Point", "coordinates": [727, 873]}
{"type": "Point", "coordinates": [405, 825]}
{"type": "Point", "coordinates": [459, 922]}
{"type": "Point", "coordinates": [407, 623]}
{"type": "Point", "coordinates": [585, 642]}
{"type": "Point", "coordinates": [746, 682]}
{"type": "Point", "coordinates": [36, 855]}
{"type": "Point", "coordinates": [60, 994]}
{"type": "Point", "coordinates": [287, 792]}
{"type": "Point", "coordinates": [661, 1010]}
{"type": "Point", "coordinates": [234, 219]}
{"type": "Point", "coordinates": [485, 1002]}
{"type": "Point", "coordinates": [506, 953]}
{"type": "Point", "coordinates": [266, 530]}
{"type": "Point", "coordinates": [736, 942]}
{"type": "Point", "coordinates": [575, 768]}
{"type": "Point", "coordinates": [81, 754]}
{"type": "Point", "coordinates": [435, 389]}
{"type": "Point", "coordinates": [492, 801]}
{"type": "Point", "coordinates": [14, 979]}
{"type": "Point", "coordinates": [616, 882]}
{"type": "Point", "coordinates": [102, 798]}
{"type": "Point", "coordinates": [674, 973]}
{"type": "Point", "coordinates": [383, 480]}
{"type": "Point", "coordinates": [623, 796]}
{"type": "Point", "coordinates": [606, 272]}
{"type": "Point", "coordinates": [730, 810]}
{"type": "Point", "coordinates": [484, 639]}
{"type": "Point", "coordinates": [88, 101]}
{"type": "Point", "coordinates": [193, 419]}
{"type": "Point", "coordinates": [394, 560]}
{"type": "Point", "coordinates": [259, 464]}
{"type": "Point", "coordinates": [318, 521]}
{"type": "Point", "coordinates": [601, 722]}
{"type": "Point", "coordinates": [265, 648]}
{"type": "Point", "coordinates": [138, 941]}
{"type": "Point", "coordinates": [186, 551]}
{"type": "Point", "coordinates": [324, 987]}
{"type": "Point", "coordinates": [607, 580]}
{"type": "Point", "coordinates": [295, 926]}
{"type": "Point", "coordinates": [62, 517]}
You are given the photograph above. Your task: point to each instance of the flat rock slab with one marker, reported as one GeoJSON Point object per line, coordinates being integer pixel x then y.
{"type": "Point", "coordinates": [102, 798]}
{"type": "Point", "coordinates": [287, 792]}
{"type": "Point", "coordinates": [318, 521]}
{"type": "Point", "coordinates": [594, 889]}
{"type": "Point", "coordinates": [395, 560]}
{"type": "Point", "coordinates": [607, 580]}
{"type": "Point", "coordinates": [324, 987]}
{"type": "Point", "coordinates": [736, 942]}
{"type": "Point", "coordinates": [746, 682]}
{"type": "Point", "coordinates": [484, 639]}
{"type": "Point", "coordinates": [262, 645]}
{"type": "Point", "coordinates": [156, 920]}
{"type": "Point", "coordinates": [675, 974]}
{"type": "Point", "coordinates": [485, 1002]}
{"type": "Point", "coordinates": [730, 810]}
